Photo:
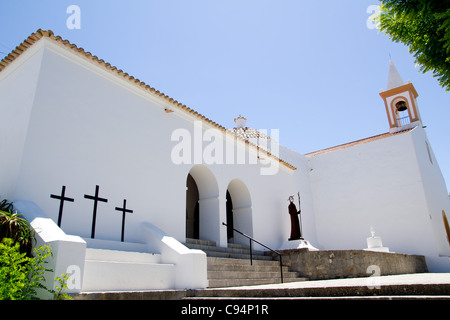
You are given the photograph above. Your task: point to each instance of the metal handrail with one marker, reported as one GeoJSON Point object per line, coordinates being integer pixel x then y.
{"type": "Point", "coordinates": [251, 255]}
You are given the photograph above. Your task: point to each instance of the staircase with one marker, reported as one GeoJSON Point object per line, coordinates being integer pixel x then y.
{"type": "Point", "coordinates": [124, 266]}
{"type": "Point", "coordinates": [230, 267]}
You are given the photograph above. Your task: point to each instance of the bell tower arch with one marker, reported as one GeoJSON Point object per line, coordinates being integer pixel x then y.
{"type": "Point", "coordinates": [400, 102]}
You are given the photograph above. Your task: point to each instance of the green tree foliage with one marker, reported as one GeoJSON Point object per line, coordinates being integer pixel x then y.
{"type": "Point", "coordinates": [424, 26]}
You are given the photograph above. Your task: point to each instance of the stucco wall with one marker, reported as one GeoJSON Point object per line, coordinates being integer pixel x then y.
{"type": "Point", "coordinates": [17, 90]}
{"type": "Point", "coordinates": [373, 184]}
{"type": "Point", "coordinates": [88, 127]}
{"type": "Point", "coordinates": [389, 184]}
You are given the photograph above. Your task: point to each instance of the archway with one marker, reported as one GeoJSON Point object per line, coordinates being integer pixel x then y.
{"type": "Point", "coordinates": [401, 111]}
{"type": "Point", "coordinates": [239, 211]}
{"type": "Point", "coordinates": [192, 209]}
{"type": "Point", "coordinates": [202, 205]}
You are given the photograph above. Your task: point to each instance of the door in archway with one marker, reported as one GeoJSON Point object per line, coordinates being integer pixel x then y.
{"type": "Point", "coordinates": [239, 211]}
{"type": "Point", "coordinates": [192, 209]}
{"type": "Point", "coordinates": [230, 232]}
{"type": "Point", "coordinates": [202, 205]}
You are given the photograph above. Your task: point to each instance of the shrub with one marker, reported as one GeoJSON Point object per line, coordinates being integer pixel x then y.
{"type": "Point", "coordinates": [13, 270]}
{"type": "Point", "coordinates": [21, 276]}
{"type": "Point", "coordinates": [15, 227]}
{"type": "Point", "coordinates": [5, 205]}
{"type": "Point", "coordinates": [22, 273]}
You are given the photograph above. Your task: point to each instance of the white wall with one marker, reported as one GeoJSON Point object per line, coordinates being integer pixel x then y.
{"type": "Point", "coordinates": [17, 88]}
{"type": "Point", "coordinates": [437, 199]}
{"type": "Point", "coordinates": [370, 184]}
{"type": "Point", "coordinates": [375, 184]}
{"type": "Point", "coordinates": [303, 186]}
{"type": "Point", "coordinates": [89, 127]}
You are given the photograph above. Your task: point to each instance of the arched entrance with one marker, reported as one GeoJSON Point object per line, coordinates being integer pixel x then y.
{"type": "Point", "coordinates": [192, 209]}
{"type": "Point", "coordinates": [239, 212]}
{"type": "Point", "coordinates": [202, 205]}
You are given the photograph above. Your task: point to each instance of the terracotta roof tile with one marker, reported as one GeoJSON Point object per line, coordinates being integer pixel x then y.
{"type": "Point", "coordinates": [355, 143]}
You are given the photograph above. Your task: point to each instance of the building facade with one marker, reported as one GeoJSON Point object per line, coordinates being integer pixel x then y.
{"type": "Point", "coordinates": [102, 154]}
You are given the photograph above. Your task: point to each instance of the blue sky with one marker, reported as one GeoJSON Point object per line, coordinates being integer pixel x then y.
{"type": "Point", "coordinates": [312, 69]}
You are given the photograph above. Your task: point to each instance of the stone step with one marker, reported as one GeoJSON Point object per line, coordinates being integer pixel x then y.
{"type": "Point", "coordinates": [201, 242]}
{"type": "Point", "coordinates": [241, 256]}
{"type": "Point", "coordinates": [223, 283]}
{"type": "Point", "coordinates": [226, 272]}
{"type": "Point", "coordinates": [230, 249]}
{"type": "Point", "coordinates": [250, 275]}
{"type": "Point", "coordinates": [207, 243]}
{"type": "Point", "coordinates": [245, 262]}
{"type": "Point", "coordinates": [235, 251]}
{"type": "Point", "coordinates": [244, 268]}
{"type": "Point", "coordinates": [230, 266]}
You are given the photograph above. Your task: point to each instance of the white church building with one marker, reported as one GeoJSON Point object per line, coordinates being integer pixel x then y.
{"type": "Point", "coordinates": [95, 158]}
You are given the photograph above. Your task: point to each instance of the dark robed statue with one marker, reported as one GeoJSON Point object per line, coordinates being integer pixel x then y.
{"type": "Point", "coordinates": [296, 232]}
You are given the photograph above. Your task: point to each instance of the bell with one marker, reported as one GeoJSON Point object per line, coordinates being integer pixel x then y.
{"type": "Point", "coordinates": [401, 106]}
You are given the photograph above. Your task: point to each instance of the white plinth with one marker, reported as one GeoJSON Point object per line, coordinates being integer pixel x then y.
{"type": "Point", "coordinates": [375, 244]}
{"type": "Point", "coordinates": [298, 244]}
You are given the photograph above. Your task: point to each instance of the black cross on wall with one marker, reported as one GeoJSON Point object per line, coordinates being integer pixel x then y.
{"type": "Point", "coordinates": [61, 199]}
{"type": "Point", "coordinates": [124, 211]}
{"type": "Point", "coordinates": [96, 199]}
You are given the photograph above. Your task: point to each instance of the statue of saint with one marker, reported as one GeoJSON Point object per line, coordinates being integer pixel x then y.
{"type": "Point", "coordinates": [296, 233]}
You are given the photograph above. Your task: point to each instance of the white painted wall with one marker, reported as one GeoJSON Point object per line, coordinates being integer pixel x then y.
{"type": "Point", "coordinates": [17, 89]}
{"type": "Point", "coordinates": [437, 200]}
{"type": "Point", "coordinates": [88, 127]}
{"type": "Point", "coordinates": [377, 184]}
{"type": "Point", "coordinates": [303, 186]}
{"type": "Point", "coordinates": [84, 126]}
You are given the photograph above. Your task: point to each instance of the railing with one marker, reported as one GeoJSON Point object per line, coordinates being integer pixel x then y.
{"type": "Point", "coordinates": [251, 254]}
{"type": "Point", "coordinates": [403, 121]}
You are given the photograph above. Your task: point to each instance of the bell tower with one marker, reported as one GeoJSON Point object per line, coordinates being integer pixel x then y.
{"type": "Point", "coordinates": [400, 101]}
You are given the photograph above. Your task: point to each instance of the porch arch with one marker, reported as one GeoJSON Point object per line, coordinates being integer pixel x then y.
{"type": "Point", "coordinates": [239, 212]}
{"type": "Point", "coordinates": [202, 204]}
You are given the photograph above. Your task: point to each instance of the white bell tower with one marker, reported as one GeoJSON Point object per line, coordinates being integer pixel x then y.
{"type": "Point", "coordinates": [400, 101]}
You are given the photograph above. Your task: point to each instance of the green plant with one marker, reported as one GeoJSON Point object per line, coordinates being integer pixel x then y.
{"type": "Point", "coordinates": [62, 281]}
{"type": "Point", "coordinates": [36, 273]}
{"type": "Point", "coordinates": [15, 227]}
{"type": "Point", "coordinates": [22, 276]}
{"type": "Point", "coordinates": [5, 205]}
{"type": "Point", "coordinates": [13, 270]}
{"type": "Point", "coordinates": [22, 273]}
